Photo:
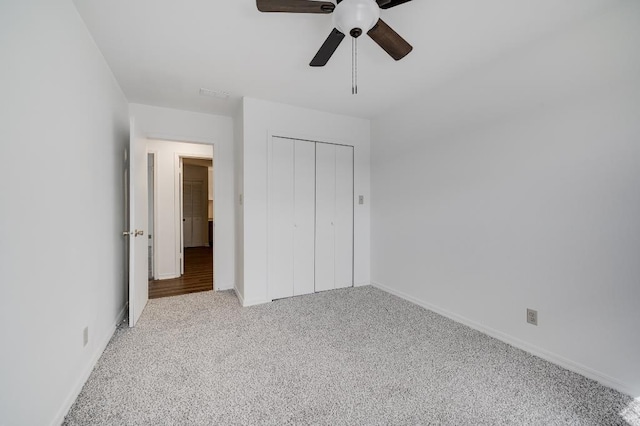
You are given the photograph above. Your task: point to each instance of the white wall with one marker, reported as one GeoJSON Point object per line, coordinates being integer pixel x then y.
{"type": "Point", "coordinates": [170, 124]}
{"type": "Point", "coordinates": [517, 186]}
{"type": "Point", "coordinates": [61, 244]}
{"type": "Point", "coordinates": [261, 117]}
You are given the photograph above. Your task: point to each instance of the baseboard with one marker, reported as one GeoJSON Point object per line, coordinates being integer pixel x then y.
{"type": "Point", "coordinates": [167, 276]}
{"type": "Point", "coordinates": [362, 284]}
{"type": "Point", "coordinates": [102, 345]}
{"type": "Point", "coordinates": [247, 303]}
{"type": "Point", "coordinates": [583, 370]}
{"type": "Point", "coordinates": [239, 296]}
{"type": "Point", "coordinates": [224, 287]}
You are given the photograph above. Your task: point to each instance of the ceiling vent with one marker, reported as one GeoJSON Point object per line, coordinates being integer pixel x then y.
{"type": "Point", "coordinates": [214, 93]}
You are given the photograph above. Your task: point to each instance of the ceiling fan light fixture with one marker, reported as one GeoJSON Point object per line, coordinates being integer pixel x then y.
{"type": "Point", "coordinates": [352, 15]}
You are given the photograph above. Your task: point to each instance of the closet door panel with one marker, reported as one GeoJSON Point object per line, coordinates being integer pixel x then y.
{"type": "Point", "coordinates": [304, 217]}
{"type": "Point", "coordinates": [325, 210]}
{"type": "Point", "coordinates": [281, 209]}
{"type": "Point", "coordinates": [343, 221]}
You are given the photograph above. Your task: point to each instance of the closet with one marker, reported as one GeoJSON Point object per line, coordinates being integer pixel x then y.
{"type": "Point", "coordinates": [310, 217]}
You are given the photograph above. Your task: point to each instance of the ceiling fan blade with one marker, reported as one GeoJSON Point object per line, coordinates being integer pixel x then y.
{"type": "Point", "coordinates": [295, 6]}
{"type": "Point", "coordinates": [388, 4]}
{"type": "Point", "coordinates": [326, 50]}
{"type": "Point", "coordinates": [389, 40]}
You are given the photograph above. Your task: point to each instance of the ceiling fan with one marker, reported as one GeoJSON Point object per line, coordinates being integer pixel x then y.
{"type": "Point", "coordinates": [353, 17]}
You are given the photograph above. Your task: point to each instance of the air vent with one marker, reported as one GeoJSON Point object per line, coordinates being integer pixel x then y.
{"type": "Point", "coordinates": [214, 93]}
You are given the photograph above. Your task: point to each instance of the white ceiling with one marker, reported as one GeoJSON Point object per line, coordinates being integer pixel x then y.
{"type": "Point", "coordinates": [163, 51]}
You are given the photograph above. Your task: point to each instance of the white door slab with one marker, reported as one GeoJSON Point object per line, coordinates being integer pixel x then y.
{"type": "Point", "coordinates": [280, 220]}
{"type": "Point", "coordinates": [304, 218]}
{"type": "Point", "coordinates": [325, 213]}
{"type": "Point", "coordinates": [343, 221]}
{"type": "Point", "coordinates": [137, 233]}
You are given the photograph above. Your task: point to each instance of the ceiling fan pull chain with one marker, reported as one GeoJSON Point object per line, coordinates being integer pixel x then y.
{"type": "Point", "coordinates": [356, 65]}
{"type": "Point", "coordinates": [353, 85]}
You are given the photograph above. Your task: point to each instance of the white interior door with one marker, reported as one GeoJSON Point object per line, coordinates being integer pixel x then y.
{"type": "Point", "coordinates": [180, 212]}
{"type": "Point", "coordinates": [304, 217]}
{"type": "Point", "coordinates": [138, 260]}
{"type": "Point", "coordinates": [187, 211]}
{"type": "Point", "coordinates": [325, 213]}
{"type": "Point", "coordinates": [281, 218]}
{"type": "Point", "coordinates": [198, 210]}
{"type": "Point", "coordinates": [194, 208]}
{"type": "Point", "coordinates": [343, 219]}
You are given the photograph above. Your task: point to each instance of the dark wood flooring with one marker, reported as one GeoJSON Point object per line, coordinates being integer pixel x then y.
{"type": "Point", "coordinates": [198, 275]}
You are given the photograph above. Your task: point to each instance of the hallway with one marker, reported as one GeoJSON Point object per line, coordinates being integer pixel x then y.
{"type": "Point", "coordinates": [198, 275]}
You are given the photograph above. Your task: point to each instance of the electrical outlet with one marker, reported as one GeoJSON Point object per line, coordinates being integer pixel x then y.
{"type": "Point", "coordinates": [361, 199]}
{"type": "Point", "coordinates": [85, 336]}
{"type": "Point", "coordinates": [532, 316]}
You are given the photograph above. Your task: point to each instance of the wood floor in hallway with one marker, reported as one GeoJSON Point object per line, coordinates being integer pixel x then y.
{"type": "Point", "coordinates": [198, 275]}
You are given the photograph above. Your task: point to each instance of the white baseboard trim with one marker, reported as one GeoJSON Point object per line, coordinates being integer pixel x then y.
{"type": "Point", "coordinates": [583, 370]}
{"type": "Point", "coordinates": [246, 304]}
{"type": "Point", "coordinates": [102, 345]}
{"type": "Point", "coordinates": [224, 287]}
{"type": "Point", "coordinates": [239, 296]}
{"type": "Point", "coordinates": [362, 284]}
{"type": "Point", "coordinates": [166, 276]}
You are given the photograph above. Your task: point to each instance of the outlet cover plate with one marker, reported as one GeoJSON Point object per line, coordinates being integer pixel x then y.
{"type": "Point", "coordinates": [532, 316]}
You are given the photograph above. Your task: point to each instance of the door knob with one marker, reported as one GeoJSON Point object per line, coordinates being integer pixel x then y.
{"type": "Point", "coordinates": [127, 233]}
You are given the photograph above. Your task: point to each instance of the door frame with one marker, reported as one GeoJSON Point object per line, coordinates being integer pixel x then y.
{"type": "Point", "coordinates": [154, 246]}
{"type": "Point", "coordinates": [216, 178]}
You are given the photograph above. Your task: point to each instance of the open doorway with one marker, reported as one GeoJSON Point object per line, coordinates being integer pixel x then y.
{"type": "Point", "coordinates": [183, 219]}
{"type": "Point", "coordinates": [197, 223]}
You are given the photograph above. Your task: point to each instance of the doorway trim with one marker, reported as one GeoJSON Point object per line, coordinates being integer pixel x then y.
{"type": "Point", "coordinates": [216, 178]}
{"type": "Point", "coordinates": [154, 243]}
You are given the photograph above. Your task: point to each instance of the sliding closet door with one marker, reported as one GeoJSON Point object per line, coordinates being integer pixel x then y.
{"type": "Point", "coordinates": [325, 211]}
{"type": "Point", "coordinates": [281, 218]}
{"type": "Point", "coordinates": [304, 217]}
{"type": "Point", "coordinates": [343, 219]}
